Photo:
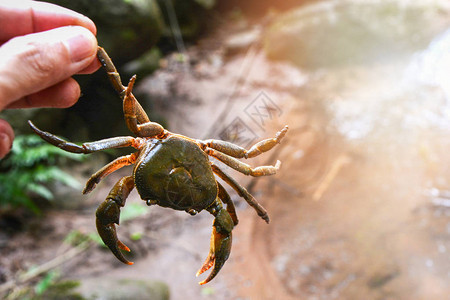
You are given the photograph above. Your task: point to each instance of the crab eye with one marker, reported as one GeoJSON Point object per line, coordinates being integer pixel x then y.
{"type": "Point", "coordinates": [150, 202]}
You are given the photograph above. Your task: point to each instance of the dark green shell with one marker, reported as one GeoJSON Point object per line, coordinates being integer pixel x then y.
{"type": "Point", "coordinates": [175, 173]}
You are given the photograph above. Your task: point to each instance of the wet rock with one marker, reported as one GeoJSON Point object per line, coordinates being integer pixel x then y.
{"type": "Point", "coordinates": [336, 33]}
{"type": "Point", "coordinates": [110, 289]}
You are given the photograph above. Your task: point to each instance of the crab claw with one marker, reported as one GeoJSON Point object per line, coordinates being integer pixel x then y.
{"type": "Point", "coordinates": [108, 214]}
{"type": "Point", "coordinates": [220, 245]}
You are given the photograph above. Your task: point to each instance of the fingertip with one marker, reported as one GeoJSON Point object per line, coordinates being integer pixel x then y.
{"type": "Point", "coordinates": [81, 44]}
{"type": "Point", "coordinates": [86, 23]}
{"type": "Point", "coordinates": [6, 138]}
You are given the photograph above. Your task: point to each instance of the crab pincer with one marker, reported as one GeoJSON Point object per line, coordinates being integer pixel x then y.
{"type": "Point", "coordinates": [108, 214]}
{"type": "Point", "coordinates": [220, 247]}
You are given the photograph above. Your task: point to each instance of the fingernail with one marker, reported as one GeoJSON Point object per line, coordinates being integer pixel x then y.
{"type": "Point", "coordinates": [82, 44]}
{"type": "Point", "coordinates": [5, 144]}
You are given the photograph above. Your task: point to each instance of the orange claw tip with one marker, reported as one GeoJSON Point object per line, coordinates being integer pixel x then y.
{"type": "Point", "coordinates": [206, 266]}
{"type": "Point", "coordinates": [199, 272]}
{"type": "Point", "coordinates": [203, 282]}
{"type": "Point", "coordinates": [123, 246]}
{"type": "Point", "coordinates": [130, 263]}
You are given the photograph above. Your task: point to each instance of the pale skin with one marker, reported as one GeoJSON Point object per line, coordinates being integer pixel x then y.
{"type": "Point", "coordinates": [41, 46]}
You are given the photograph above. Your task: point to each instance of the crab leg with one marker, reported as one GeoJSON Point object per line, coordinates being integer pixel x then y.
{"type": "Point", "coordinates": [225, 197]}
{"type": "Point", "coordinates": [260, 210]}
{"type": "Point", "coordinates": [135, 116]}
{"type": "Point", "coordinates": [147, 129]}
{"type": "Point", "coordinates": [239, 152]}
{"type": "Point", "coordinates": [116, 142]}
{"type": "Point", "coordinates": [108, 213]}
{"type": "Point", "coordinates": [221, 239]}
{"type": "Point", "coordinates": [108, 169]}
{"type": "Point", "coordinates": [243, 167]}
{"type": "Point", "coordinates": [114, 77]}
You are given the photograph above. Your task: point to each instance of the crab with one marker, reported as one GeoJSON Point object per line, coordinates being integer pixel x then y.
{"type": "Point", "coordinates": [170, 170]}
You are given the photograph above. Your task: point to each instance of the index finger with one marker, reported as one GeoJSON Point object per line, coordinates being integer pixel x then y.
{"type": "Point", "coordinates": [23, 17]}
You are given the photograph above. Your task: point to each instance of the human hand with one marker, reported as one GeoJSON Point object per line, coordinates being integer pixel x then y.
{"type": "Point", "coordinates": [41, 46]}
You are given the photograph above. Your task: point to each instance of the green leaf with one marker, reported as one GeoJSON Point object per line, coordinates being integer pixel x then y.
{"type": "Point", "coordinates": [40, 190]}
{"type": "Point", "coordinates": [65, 178]}
{"type": "Point", "coordinates": [30, 205]}
{"type": "Point", "coordinates": [29, 169]}
{"type": "Point", "coordinates": [45, 282]}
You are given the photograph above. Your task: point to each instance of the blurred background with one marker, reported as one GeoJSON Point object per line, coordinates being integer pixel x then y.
{"type": "Point", "coordinates": [360, 208]}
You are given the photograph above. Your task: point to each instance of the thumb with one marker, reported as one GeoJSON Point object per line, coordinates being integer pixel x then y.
{"type": "Point", "coordinates": [34, 62]}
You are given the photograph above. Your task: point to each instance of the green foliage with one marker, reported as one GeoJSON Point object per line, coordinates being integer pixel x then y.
{"type": "Point", "coordinates": [27, 171]}
{"type": "Point", "coordinates": [45, 282]}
